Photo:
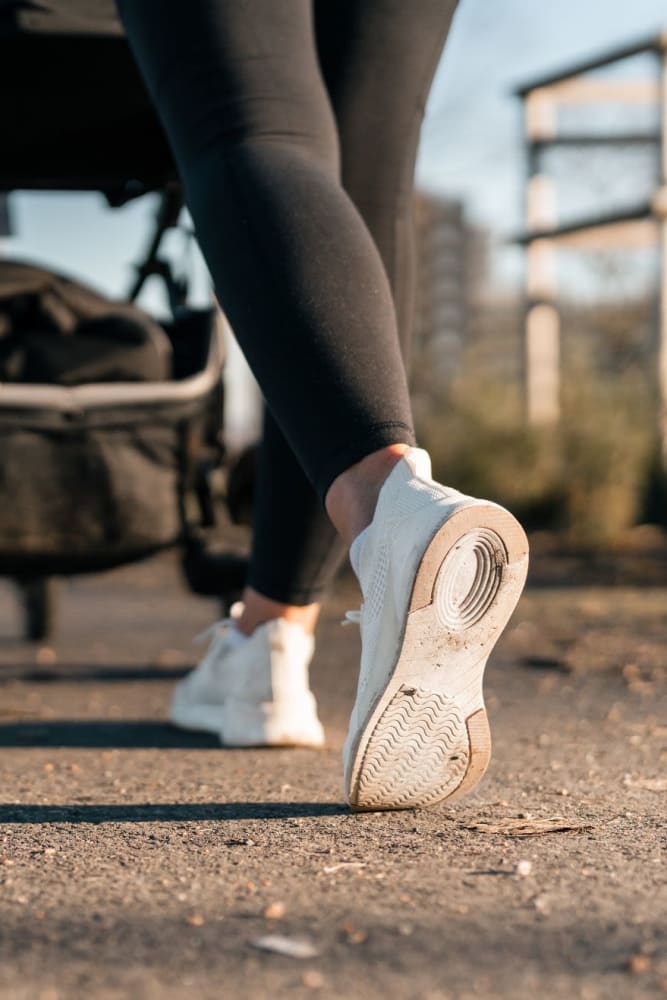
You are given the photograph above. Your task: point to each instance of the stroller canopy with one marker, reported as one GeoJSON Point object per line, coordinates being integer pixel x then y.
{"type": "Point", "coordinates": [74, 113]}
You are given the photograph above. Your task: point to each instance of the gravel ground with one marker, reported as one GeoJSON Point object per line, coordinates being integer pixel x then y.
{"type": "Point", "coordinates": [136, 861]}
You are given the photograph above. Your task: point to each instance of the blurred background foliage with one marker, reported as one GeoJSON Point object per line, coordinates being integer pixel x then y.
{"type": "Point", "coordinates": [591, 477]}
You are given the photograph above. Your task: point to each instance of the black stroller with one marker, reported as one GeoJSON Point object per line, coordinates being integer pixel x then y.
{"type": "Point", "coordinates": [110, 423]}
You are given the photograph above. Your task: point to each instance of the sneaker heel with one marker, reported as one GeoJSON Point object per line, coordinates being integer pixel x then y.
{"type": "Point", "coordinates": [479, 742]}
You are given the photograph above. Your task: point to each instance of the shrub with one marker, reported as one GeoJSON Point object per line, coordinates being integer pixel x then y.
{"type": "Point", "coordinates": [588, 476]}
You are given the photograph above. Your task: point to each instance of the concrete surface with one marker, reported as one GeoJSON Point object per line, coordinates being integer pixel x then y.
{"type": "Point", "coordinates": [136, 861]}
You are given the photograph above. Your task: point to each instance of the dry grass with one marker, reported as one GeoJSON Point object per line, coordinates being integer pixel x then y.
{"type": "Point", "coordinates": [588, 477]}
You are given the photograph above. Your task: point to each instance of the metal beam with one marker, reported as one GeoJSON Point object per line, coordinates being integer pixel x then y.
{"type": "Point", "coordinates": [656, 43]}
{"type": "Point", "coordinates": [632, 234]}
{"type": "Point", "coordinates": [642, 211]}
{"type": "Point", "coordinates": [603, 139]}
{"type": "Point", "coordinates": [592, 90]}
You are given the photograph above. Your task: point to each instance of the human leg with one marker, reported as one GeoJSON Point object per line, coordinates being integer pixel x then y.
{"type": "Point", "coordinates": [378, 117]}
{"type": "Point", "coordinates": [240, 94]}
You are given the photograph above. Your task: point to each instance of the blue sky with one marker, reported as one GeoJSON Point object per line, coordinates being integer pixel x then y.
{"type": "Point", "coordinates": [470, 142]}
{"type": "Point", "coordinates": [471, 138]}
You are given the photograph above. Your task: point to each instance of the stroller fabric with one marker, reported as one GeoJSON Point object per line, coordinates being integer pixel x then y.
{"type": "Point", "coordinates": [100, 440]}
{"type": "Point", "coordinates": [54, 330]}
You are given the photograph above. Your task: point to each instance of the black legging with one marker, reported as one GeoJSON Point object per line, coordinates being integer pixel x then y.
{"type": "Point", "coordinates": [296, 137]}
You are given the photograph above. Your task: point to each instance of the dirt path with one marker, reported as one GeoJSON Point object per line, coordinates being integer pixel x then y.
{"type": "Point", "coordinates": [139, 862]}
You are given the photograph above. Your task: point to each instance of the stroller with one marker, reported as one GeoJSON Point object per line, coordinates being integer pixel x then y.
{"type": "Point", "coordinates": [110, 423]}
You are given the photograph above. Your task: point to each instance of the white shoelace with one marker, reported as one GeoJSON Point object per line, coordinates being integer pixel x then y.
{"type": "Point", "coordinates": [353, 617]}
{"type": "Point", "coordinates": [213, 630]}
{"type": "Point", "coordinates": [221, 627]}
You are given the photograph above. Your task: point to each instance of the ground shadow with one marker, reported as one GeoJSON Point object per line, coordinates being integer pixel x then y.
{"type": "Point", "coordinates": [84, 674]}
{"type": "Point", "coordinates": [103, 734]}
{"type": "Point", "coordinates": [167, 812]}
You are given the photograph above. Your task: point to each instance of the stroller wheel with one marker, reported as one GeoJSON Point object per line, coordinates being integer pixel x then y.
{"type": "Point", "coordinates": [39, 604]}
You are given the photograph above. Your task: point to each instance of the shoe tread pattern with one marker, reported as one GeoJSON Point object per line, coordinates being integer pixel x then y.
{"type": "Point", "coordinates": [417, 754]}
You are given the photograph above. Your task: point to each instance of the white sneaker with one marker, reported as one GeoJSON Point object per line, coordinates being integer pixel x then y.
{"type": "Point", "coordinates": [252, 691]}
{"type": "Point", "coordinates": [440, 575]}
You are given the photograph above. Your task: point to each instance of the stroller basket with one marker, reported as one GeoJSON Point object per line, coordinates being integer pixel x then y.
{"type": "Point", "coordinates": [96, 475]}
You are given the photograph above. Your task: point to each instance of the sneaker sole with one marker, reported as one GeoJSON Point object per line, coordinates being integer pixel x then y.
{"type": "Point", "coordinates": [426, 739]}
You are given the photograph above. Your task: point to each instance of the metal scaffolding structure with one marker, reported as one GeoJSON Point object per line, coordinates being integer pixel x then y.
{"type": "Point", "coordinates": [641, 225]}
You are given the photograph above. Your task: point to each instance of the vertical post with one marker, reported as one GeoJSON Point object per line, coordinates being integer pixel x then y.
{"type": "Point", "coordinates": [542, 322]}
{"type": "Point", "coordinates": [662, 222]}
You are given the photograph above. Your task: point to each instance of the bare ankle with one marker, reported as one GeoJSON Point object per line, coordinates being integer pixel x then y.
{"type": "Point", "coordinates": [258, 609]}
{"type": "Point", "coordinates": [352, 497]}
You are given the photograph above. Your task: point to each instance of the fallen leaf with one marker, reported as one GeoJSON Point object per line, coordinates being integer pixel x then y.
{"type": "Point", "coordinates": [525, 827]}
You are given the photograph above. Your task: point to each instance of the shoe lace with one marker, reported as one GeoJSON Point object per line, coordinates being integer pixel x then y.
{"type": "Point", "coordinates": [353, 617]}
{"type": "Point", "coordinates": [217, 629]}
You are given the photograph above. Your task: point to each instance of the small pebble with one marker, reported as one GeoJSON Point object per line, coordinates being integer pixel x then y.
{"type": "Point", "coordinates": [353, 935]}
{"type": "Point", "coordinates": [312, 979]}
{"type": "Point", "coordinates": [45, 656]}
{"type": "Point", "coordinates": [639, 964]}
{"type": "Point", "coordinates": [275, 911]}
{"type": "Point", "coordinates": [292, 947]}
